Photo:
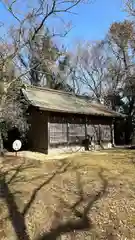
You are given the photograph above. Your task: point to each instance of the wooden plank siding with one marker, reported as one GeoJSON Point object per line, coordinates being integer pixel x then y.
{"type": "Point", "coordinates": [68, 129]}
{"type": "Point", "coordinates": [38, 131]}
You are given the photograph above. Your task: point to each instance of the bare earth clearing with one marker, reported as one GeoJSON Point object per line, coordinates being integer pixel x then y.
{"type": "Point", "coordinates": [80, 196]}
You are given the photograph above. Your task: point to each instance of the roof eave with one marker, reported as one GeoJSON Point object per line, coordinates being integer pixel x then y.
{"type": "Point", "coordinates": [73, 112]}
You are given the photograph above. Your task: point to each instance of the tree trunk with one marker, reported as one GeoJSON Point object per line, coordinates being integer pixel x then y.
{"type": "Point", "coordinates": [1, 145]}
{"type": "Point", "coordinates": [128, 130]}
{"type": "Point", "coordinates": [128, 124]}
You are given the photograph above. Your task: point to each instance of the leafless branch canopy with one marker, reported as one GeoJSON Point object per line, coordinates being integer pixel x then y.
{"type": "Point", "coordinates": [28, 23]}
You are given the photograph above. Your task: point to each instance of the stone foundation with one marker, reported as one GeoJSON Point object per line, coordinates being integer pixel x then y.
{"type": "Point", "coordinates": [74, 149]}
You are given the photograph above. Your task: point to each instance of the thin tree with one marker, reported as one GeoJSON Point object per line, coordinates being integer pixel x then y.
{"type": "Point", "coordinates": [25, 31]}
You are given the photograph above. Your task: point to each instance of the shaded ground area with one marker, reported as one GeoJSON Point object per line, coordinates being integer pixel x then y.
{"type": "Point", "coordinates": [81, 196]}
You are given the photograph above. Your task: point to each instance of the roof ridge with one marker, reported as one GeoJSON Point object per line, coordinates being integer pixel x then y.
{"type": "Point", "coordinates": [47, 89]}
{"type": "Point", "coordinates": [56, 91]}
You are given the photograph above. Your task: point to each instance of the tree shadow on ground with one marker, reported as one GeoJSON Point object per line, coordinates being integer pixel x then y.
{"type": "Point", "coordinates": [82, 221]}
{"type": "Point", "coordinates": [17, 217]}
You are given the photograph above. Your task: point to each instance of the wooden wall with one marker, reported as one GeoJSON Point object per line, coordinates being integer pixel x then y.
{"type": "Point", "coordinates": [55, 129]}
{"type": "Point", "coordinates": [72, 129]}
{"type": "Point", "coordinates": [38, 132]}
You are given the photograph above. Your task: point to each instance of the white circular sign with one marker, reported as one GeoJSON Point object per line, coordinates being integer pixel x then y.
{"type": "Point", "coordinates": [17, 145]}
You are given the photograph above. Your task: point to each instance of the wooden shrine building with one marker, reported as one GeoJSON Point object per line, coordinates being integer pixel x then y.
{"type": "Point", "coordinates": [60, 120]}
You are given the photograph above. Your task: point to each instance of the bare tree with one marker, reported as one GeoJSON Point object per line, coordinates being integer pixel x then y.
{"type": "Point", "coordinates": [27, 26]}
{"type": "Point", "coordinates": [130, 7]}
{"type": "Point", "coordinates": [91, 69]}
{"type": "Point", "coordinates": [121, 41]}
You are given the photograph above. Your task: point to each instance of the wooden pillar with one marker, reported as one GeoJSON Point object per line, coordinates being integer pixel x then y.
{"type": "Point", "coordinates": [99, 133]}
{"type": "Point", "coordinates": [112, 133]}
{"type": "Point", "coordinates": [68, 133]}
{"type": "Point", "coordinates": [48, 132]}
{"type": "Point", "coordinates": [85, 127]}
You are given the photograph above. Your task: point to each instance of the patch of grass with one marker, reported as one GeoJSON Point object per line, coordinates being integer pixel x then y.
{"type": "Point", "coordinates": [88, 195]}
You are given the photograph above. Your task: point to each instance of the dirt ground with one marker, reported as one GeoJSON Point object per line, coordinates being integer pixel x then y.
{"type": "Point", "coordinates": [88, 195]}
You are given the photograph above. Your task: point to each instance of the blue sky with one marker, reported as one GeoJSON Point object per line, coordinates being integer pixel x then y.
{"type": "Point", "coordinates": [91, 22]}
